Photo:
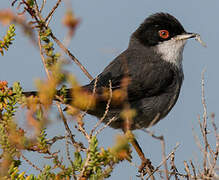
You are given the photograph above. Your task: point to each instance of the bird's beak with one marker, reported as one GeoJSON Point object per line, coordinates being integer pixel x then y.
{"type": "Point", "coordinates": [186, 36]}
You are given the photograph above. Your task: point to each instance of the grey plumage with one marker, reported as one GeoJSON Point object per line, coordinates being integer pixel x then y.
{"type": "Point", "coordinates": [153, 89]}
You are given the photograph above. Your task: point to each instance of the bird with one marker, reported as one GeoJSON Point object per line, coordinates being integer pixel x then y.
{"type": "Point", "coordinates": [151, 66]}
{"type": "Point", "coordinates": [153, 61]}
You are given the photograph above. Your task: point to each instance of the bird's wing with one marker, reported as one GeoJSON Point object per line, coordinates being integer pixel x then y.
{"type": "Point", "coordinates": [147, 78]}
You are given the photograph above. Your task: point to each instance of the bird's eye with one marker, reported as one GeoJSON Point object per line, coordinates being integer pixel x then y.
{"type": "Point", "coordinates": [164, 34]}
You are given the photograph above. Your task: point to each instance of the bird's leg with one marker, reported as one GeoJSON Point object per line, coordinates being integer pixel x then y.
{"type": "Point", "coordinates": [146, 166]}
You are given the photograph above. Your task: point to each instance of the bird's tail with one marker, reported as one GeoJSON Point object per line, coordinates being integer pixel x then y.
{"type": "Point", "coordinates": [67, 93]}
{"type": "Point", "coordinates": [30, 93]}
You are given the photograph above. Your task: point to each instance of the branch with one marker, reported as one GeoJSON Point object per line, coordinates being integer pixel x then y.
{"type": "Point", "coordinates": [71, 56]}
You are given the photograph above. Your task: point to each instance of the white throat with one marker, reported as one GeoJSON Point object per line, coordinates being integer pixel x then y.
{"type": "Point", "coordinates": [172, 51]}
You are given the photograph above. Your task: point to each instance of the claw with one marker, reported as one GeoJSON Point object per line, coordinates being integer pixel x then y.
{"type": "Point", "coordinates": [146, 167]}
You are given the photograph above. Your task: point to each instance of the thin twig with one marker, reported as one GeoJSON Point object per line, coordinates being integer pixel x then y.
{"type": "Point", "coordinates": [164, 156]}
{"type": "Point", "coordinates": [204, 124]}
{"type": "Point", "coordinates": [79, 127]}
{"type": "Point", "coordinates": [93, 94]}
{"type": "Point", "coordinates": [204, 103]}
{"type": "Point", "coordinates": [106, 110]}
{"type": "Point", "coordinates": [85, 164]}
{"type": "Point", "coordinates": [49, 16]}
{"type": "Point", "coordinates": [37, 7]}
{"type": "Point", "coordinates": [76, 144]}
{"type": "Point", "coordinates": [67, 150]}
{"type": "Point", "coordinates": [162, 141]}
{"type": "Point", "coordinates": [173, 166]}
{"type": "Point", "coordinates": [106, 125]}
{"type": "Point", "coordinates": [42, 57]}
{"type": "Point", "coordinates": [214, 126]}
{"type": "Point", "coordinates": [193, 169]}
{"type": "Point", "coordinates": [37, 10]}
{"type": "Point", "coordinates": [42, 6]}
{"type": "Point", "coordinates": [31, 164]}
{"type": "Point", "coordinates": [69, 157]}
{"type": "Point", "coordinates": [55, 138]}
{"type": "Point", "coordinates": [187, 170]}
{"type": "Point", "coordinates": [215, 154]}
{"type": "Point", "coordinates": [71, 56]}
{"type": "Point", "coordinates": [57, 162]}
{"type": "Point", "coordinates": [83, 131]}
{"type": "Point", "coordinates": [197, 140]}
{"type": "Point", "coordinates": [163, 161]}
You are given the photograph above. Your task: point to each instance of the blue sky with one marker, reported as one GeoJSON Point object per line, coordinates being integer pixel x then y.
{"type": "Point", "coordinates": [103, 33]}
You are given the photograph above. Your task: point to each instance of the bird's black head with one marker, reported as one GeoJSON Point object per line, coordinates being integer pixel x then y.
{"type": "Point", "coordinates": [157, 28]}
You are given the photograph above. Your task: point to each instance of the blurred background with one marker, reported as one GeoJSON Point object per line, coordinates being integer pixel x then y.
{"type": "Point", "coordinates": [103, 33]}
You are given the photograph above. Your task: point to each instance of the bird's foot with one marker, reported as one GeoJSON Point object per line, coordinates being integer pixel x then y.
{"type": "Point", "coordinates": [146, 167]}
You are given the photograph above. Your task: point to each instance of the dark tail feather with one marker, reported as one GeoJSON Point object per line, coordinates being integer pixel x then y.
{"type": "Point", "coordinates": [35, 93]}
{"type": "Point", "coordinates": [68, 93]}
{"type": "Point", "coordinates": [30, 93]}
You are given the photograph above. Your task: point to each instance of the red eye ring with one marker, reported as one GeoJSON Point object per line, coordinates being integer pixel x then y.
{"type": "Point", "coordinates": [164, 34]}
